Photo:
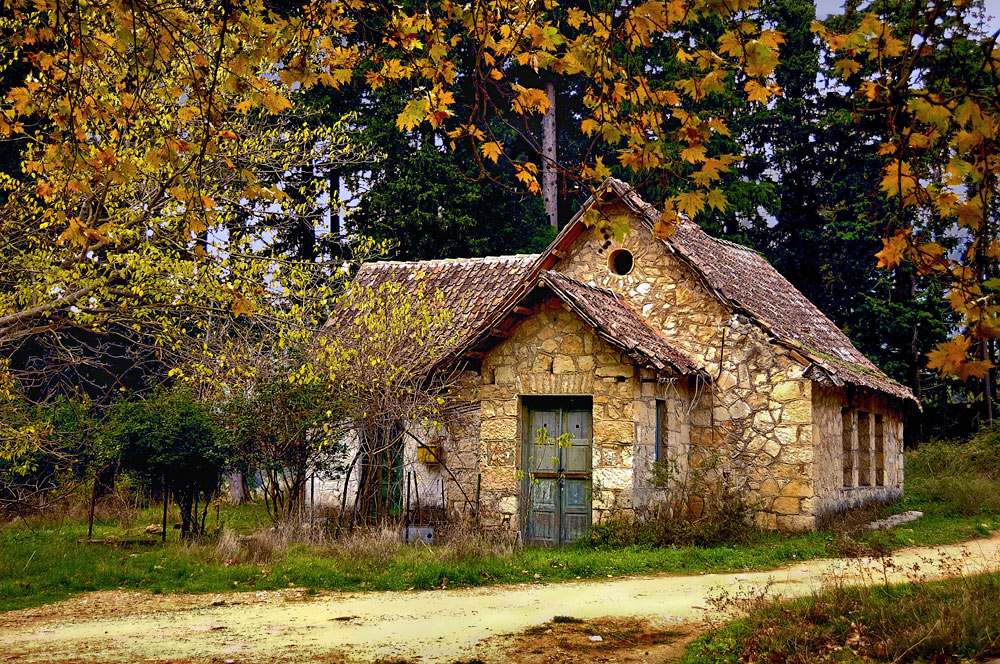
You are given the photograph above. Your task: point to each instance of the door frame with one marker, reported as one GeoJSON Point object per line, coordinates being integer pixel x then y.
{"type": "Point", "coordinates": [561, 404]}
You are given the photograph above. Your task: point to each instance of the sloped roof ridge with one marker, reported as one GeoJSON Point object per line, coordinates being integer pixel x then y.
{"type": "Point", "coordinates": [606, 291]}
{"type": "Point", "coordinates": [453, 261]}
{"type": "Point", "coordinates": [614, 321]}
{"type": "Point", "coordinates": [684, 241]}
{"type": "Point", "coordinates": [668, 352]}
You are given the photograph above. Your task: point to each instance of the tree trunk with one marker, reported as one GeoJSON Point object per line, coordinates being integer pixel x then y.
{"type": "Point", "coordinates": [550, 189]}
{"type": "Point", "coordinates": [987, 385]}
{"type": "Point", "coordinates": [166, 494]}
{"type": "Point", "coordinates": [238, 493]}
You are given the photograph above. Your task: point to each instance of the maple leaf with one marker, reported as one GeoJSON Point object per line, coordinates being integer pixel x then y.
{"type": "Point", "coordinates": [693, 153]}
{"type": "Point", "coordinates": [530, 100]}
{"type": "Point", "coordinates": [492, 150]}
{"type": "Point", "coordinates": [716, 200]}
{"type": "Point", "coordinates": [951, 358]}
{"type": "Point", "coordinates": [590, 217]}
{"type": "Point", "coordinates": [276, 103]}
{"type": "Point", "coordinates": [756, 92]}
{"type": "Point", "coordinates": [526, 174]}
{"type": "Point", "coordinates": [898, 180]}
{"type": "Point", "coordinates": [411, 115]}
{"type": "Point", "coordinates": [949, 355]}
{"type": "Point", "coordinates": [847, 67]}
{"type": "Point", "coordinates": [930, 111]}
{"type": "Point", "coordinates": [576, 17]}
{"type": "Point", "coordinates": [690, 202]}
{"type": "Point", "coordinates": [978, 369]}
{"type": "Point", "coordinates": [242, 306]}
{"type": "Point", "coordinates": [893, 251]}
{"type": "Point", "coordinates": [667, 223]}
{"type": "Point", "coordinates": [970, 214]}
{"type": "Point", "coordinates": [197, 226]}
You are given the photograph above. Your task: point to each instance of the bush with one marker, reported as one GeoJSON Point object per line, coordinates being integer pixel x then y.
{"type": "Point", "coordinates": [170, 438]}
{"type": "Point", "coordinates": [727, 519]}
{"type": "Point", "coordinates": [693, 504]}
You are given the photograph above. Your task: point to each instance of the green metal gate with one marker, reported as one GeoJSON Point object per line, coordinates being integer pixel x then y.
{"type": "Point", "coordinates": [557, 479]}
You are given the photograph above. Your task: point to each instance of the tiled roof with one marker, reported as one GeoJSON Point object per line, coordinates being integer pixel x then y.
{"type": "Point", "coordinates": [746, 279]}
{"type": "Point", "coordinates": [480, 290]}
{"type": "Point", "coordinates": [618, 324]}
{"type": "Point", "coordinates": [471, 288]}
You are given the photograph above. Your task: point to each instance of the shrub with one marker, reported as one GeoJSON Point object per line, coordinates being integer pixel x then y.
{"type": "Point", "coordinates": [726, 520]}
{"type": "Point", "coordinates": [170, 438]}
{"type": "Point", "coordinates": [694, 505]}
{"type": "Point", "coordinates": [257, 549]}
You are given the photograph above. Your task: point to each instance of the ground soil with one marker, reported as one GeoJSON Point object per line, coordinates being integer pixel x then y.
{"type": "Point", "coordinates": [638, 619]}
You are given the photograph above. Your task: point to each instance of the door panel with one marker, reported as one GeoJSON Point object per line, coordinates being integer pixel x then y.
{"type": "Point", "coordinates": [544, 459]}
{"type": "Point", "coordinates": [557, 478]}
{"type": "Point", "coordinates": [577, 457]}
{"type": "Point", "coordinates": [542, 525]}
{"type": "Point", "coordinates": [575, 515]}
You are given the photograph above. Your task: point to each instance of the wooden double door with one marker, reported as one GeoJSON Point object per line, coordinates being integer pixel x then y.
{"type": "Point", "coordinates": [557, 465]}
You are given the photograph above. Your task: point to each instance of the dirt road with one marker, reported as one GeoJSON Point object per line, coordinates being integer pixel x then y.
{"type": "Point", "coordinates": [425, 626]}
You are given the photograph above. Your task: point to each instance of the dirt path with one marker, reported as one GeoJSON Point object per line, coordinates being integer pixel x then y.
{"type": "Point", "coordinates": [426, 626]}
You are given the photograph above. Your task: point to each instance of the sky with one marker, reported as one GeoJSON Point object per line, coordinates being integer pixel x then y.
{"type": "Point", "coordinates": [825, 7]}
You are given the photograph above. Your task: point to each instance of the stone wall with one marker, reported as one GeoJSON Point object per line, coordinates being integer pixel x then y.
{"type": "Point", "coordinates": [554, 352]}
{"type": "Point", "coordinates": [833, 407]}
{"type": "Point", "coordinates": [758, 417]}
{"type": "Point", "coordinates": [673, 397]}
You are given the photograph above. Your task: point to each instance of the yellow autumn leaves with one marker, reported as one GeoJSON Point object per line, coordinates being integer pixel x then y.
{"type": "Point", "coordinates": [941, 170]}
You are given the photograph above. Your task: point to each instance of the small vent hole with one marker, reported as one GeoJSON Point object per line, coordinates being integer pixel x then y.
{"type": "Point", "coordinates": [620, 261]}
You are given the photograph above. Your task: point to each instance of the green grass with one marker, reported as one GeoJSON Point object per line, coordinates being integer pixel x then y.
{"type": "Point", "coordinates": [940, 621]}
{"type": "Point", "coordinates": [44, 563]}
{"type": "Point", "coordinates": [41, 562]}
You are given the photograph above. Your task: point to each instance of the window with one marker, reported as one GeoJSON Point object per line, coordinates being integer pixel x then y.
{"type": "Point", "coordinates": [879, 451]}
{"type": "Point", "coordinates": [847, 416]}
{"type": "Point", "coordinates": [662, 429]}
{"type": "Point", "coordinates": [620, 261]}
{"type": "Point", "coordinates": [864, 449]}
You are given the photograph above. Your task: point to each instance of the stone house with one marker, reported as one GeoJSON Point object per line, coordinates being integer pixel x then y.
{"type": "Point", "coordinates": [633, 350]}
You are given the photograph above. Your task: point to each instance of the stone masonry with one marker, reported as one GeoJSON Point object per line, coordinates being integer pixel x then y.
{"type": "Point", "coordinates": [697, 353]}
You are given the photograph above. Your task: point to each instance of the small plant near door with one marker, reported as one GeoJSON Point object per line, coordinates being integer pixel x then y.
{"type": "Point", "coordinates": [526, 476]}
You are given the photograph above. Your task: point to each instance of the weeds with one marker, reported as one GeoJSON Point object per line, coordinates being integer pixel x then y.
{"type": "Point", "coordinates": [691, 507]}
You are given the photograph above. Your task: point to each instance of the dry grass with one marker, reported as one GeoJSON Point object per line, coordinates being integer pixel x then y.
{"type": "Point", "coordinates": [863, 614]}
{"type": "Point", "coordinates": [365, 546]}
{"type": "Point", "coordinates": [940, 621]}
{"type": "Point", "coordinates": [378, 545]}
{"type": "Point", "coordinates": [850, 536]}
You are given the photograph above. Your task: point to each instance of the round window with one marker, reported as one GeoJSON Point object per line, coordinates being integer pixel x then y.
{"type": "Point", "coordinates": [620, 261]}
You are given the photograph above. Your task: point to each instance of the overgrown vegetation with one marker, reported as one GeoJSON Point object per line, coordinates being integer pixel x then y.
{"type": "Point", "coordinates": [248, 553]}
{"type": "Point", "coordinates": [940, 621]}
{"type": "Point", "coordinates": [170, 440]}
{"type": "Point", "coordinates": [956, 477]}
{"type": "Point", "coordinates": [693, 506]}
